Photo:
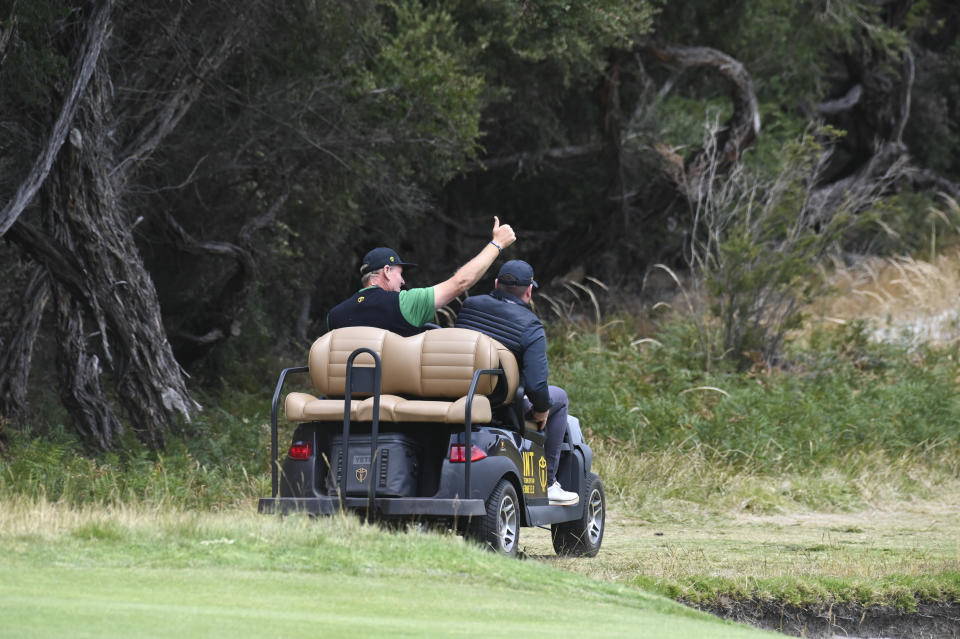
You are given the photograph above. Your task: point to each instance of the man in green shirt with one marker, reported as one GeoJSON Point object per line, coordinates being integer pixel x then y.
{"type": "Point", "coordinates": [382, 302]}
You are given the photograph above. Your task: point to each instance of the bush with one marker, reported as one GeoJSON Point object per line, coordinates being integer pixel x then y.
{"type": "Point", "coordinates": [835, 403]}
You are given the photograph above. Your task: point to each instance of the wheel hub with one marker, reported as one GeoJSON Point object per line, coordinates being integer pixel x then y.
{"type": "Point", "coordinates": [595, 516]}
{"type": "Point", "coordinates": [507, 524]}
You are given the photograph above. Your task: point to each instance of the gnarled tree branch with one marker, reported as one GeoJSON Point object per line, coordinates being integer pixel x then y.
{"type": "Point", "coordinates": [98, 31]}
{"type": "Point", "coordinates": [739, 131]}
{"type": "Point", "coordinates": [847, 102]}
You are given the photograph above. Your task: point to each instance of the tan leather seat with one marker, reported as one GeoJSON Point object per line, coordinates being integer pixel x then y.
{"type": "Point", "coordinates": [424, 378]}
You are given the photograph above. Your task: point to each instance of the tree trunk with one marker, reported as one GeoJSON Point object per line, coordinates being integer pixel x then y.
{"type": "Point", "coordinates": [18, 348]}
{"type": "Point", "coordinates": [108, 312]}
{"type": "Point", "coordinates": [82, 212]}
{"type": "Point", "coordinates": [79, 376]}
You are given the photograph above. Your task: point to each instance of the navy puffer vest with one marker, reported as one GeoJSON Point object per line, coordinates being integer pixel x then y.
{"type": "Point", "coordinates": [505, 318]}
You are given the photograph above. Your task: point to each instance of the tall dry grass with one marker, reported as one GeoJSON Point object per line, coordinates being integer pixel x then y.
{"type": "Point", "coordinates": [907, 299]}
{"type": "Point", "coordinates": [901, 299]}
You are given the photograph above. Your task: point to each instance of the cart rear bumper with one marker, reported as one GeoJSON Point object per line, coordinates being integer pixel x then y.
{"type": "Point", "coordinates": [390, 506]}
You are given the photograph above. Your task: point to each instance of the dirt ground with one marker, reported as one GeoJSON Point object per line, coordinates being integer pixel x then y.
{"type": "Point", "coordinates": [909, 539]}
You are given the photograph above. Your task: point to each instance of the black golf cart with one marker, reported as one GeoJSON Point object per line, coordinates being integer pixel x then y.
{"type": "Point", "coordinates": [433, 431]}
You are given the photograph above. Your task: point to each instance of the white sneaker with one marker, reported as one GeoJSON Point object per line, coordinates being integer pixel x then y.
{"type": "Point", "coordinates": [560, 497]}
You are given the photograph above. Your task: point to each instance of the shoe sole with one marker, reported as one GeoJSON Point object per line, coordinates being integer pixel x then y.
{"type": "Point", "coordinates": [568, 502]}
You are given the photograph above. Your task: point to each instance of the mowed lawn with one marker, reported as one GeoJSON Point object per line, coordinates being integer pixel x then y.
{"type": "Point", "coordinates": [69, 601]}
{"type": "Point", "coordinates": [237, 576]}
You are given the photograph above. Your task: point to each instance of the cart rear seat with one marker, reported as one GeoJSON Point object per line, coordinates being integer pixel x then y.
{"type": "Point", "coordinates": [425, 377]}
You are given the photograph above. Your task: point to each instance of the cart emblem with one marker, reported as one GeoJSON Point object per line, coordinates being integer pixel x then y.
{"type": "Point", "coordinates": [528, 464]}
{"type": "Point", "coordinates": [543, 473]}
{"type": "Point", "coordinates": [529, 483]}
{"type": "Point", "coordinates": [362, 474]}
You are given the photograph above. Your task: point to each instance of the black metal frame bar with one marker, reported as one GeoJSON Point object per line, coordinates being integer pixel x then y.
{"type": "Point", "coordinates": [274, 444]}
{"type": "Point", "coordinates": [361, 381]}
{"type": "Point", "coordinates": [468, 424]}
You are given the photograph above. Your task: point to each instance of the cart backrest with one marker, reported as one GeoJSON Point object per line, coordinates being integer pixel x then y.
{"type": "Point", "coordinates": [439, 363]}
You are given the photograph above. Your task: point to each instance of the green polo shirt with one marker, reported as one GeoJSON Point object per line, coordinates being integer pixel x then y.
{"type": "Point", "coordinates": [416, 305]}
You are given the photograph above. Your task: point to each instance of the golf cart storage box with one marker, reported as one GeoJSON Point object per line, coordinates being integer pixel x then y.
{"type": "Point", "coordinates": [397, 472]}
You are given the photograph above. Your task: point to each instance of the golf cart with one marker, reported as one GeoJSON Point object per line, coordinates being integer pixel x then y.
{"type": "Point", "coordinates": [432, 430]}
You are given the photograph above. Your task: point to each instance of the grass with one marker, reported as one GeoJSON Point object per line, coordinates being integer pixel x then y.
{"type": "Point", "coordinates": [843, 421]}
{"type": "Point", "coordinates": [904, 299]}
{"type": "Point", "coordinates": [99, 571]}
{"type": "Point", "coordinates": [222, 465]}
{"type": "Point", "coordinates": [829, 479]}
{"type": "Point", "coordinates": [903, 555]}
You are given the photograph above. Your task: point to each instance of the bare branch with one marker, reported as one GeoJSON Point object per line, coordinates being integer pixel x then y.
{"type": "Point", "coordinates": [860, 190]}
{"type": "Point", "coordinates": [264, 220]}
{"type": "Point", "coordinates": [520, 159]}
{"type": "Point", "coordinates": [190, 244]}
{"type": "Point", "coordinates": [909, 73]}
{"type": "Point", "coordinates": [927, 179]}
{"type": "Point", "coordinates": [847, 102]}
{"type": "Point", "coordinates": [98, 32]}
{"type": "Point", "coordinates": [58, 261]}
{"type": "Point", "coordinates": [211, 337]}
{"type": "Point", "coordinates": [158, 126]}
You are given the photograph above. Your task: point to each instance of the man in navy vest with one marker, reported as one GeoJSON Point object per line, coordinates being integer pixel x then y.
{"type": "Point", "coordinates": [506, 316]}
{"type": "Point", "coordinates": [383, 304]}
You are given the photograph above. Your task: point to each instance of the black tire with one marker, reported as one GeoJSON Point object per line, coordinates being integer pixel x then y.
{"type": "Point", "coordinates": [582, 537]}
{"type": "Point", "coordinates": [499, 529]}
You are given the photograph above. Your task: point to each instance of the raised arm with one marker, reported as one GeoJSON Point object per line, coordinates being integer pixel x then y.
{"type": "Point", "coordinates": [471, 272]}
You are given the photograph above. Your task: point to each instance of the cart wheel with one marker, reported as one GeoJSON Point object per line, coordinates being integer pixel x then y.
{"type": "Point", "coordinates": [582, 537]}
{"type": "Point", "coordinates": [499, 529]}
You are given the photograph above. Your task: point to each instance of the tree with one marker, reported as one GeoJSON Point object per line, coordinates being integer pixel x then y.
{"type": "Point", "coordinates": [225, 140]}
{"type": "Point", "coordinates": [115, 116]}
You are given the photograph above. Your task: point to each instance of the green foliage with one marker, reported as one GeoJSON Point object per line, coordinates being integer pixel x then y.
{"type": "Point", "coordinates": [541, 62]}
{"type": "Point", "coordinates": [912, 223]}
{"type": "Point", "coordinates": [791, 47]}
{"type": "Point", "coordinates": [846, 421]}
{"type": "Point", "coordinates": [33, 61]}
{"type": "Point", "coordinates": [842, 403]}
{"type": "Point", "coordinates": [423, 69]}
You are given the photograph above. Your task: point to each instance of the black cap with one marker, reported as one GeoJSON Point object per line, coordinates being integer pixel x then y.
{"type": "Point", "coordinates": [380, 257]}
{"type": "Point", "coordinates": [516, 273]}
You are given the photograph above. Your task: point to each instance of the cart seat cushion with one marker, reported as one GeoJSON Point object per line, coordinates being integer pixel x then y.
{"type": "Point", "coordinates": [424, 377]}
{"type": "Point", "coordinates": [434, 364]}
{"type": "Point", "coordinates": [302, 407]}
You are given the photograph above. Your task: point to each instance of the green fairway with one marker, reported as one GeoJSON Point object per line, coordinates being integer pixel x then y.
{"type": "Point", "coordinates": [101, 574]}
{"type": "Point", "coordinates": [68, 601]}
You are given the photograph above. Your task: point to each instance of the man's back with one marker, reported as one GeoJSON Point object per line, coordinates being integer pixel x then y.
{"type": "Point", "coordinates": [507, 319]}
{"type": "Point", "coordinates": [506, 316]}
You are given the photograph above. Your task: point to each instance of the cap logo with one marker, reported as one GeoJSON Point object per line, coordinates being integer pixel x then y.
{"type": "Point", "coordinates": [391, 259]}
